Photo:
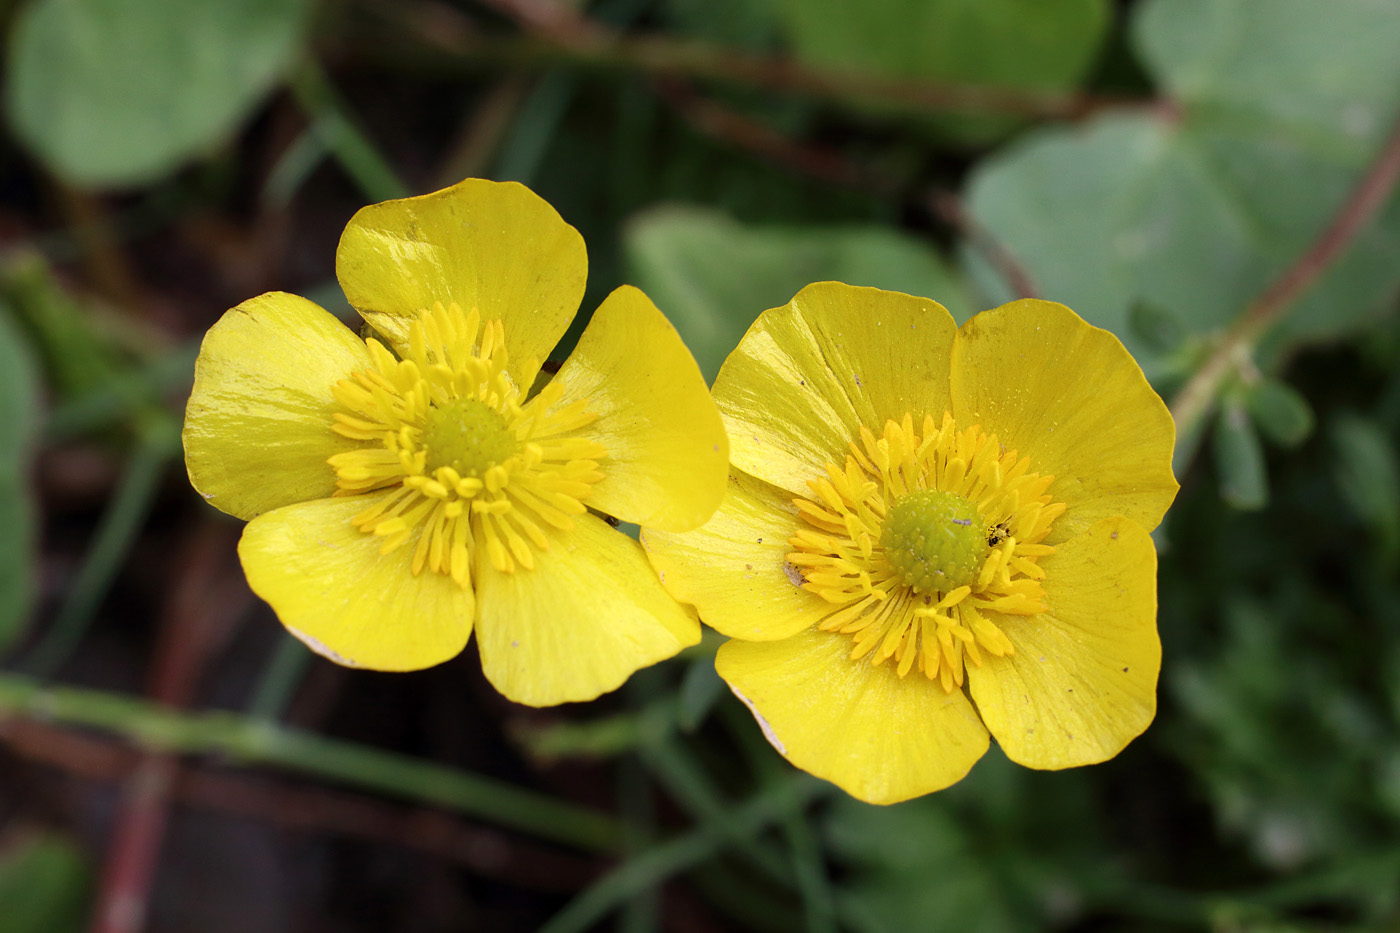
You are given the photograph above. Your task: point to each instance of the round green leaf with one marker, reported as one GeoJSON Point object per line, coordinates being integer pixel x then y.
{"type": "Point", "coordinates": [121, 92]}
{"type": "Point", "coordinates": [1025, 44]}
{"type": "Point", "coordinates": [1281, 412]}
{"type": "Point", "coordinates": [1195, 213]}
{"type": "Point", "coordinates": [712, 275]}
{"type": "Point", "coordinates": [1239, 460]}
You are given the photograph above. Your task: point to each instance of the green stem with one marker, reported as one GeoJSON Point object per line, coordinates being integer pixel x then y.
{"type": "Point", "coordinates": [688, 785]}
{"type": "Point", "coordinates": [655, 865]}
{"type": "Point", "coordinates": [279, 679]}
{"type": "Point", "coordinates": [255, 742]}
{"type": "Point", "coordinates": [352, 148]}
{"type": "Point", "coordinates": [120, 524]}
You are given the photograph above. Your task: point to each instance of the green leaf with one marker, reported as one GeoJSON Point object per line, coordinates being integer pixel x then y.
{"type": "Point", "coordinates": [700, 690]}
{"type": "Point", "coordinates": [712, 275]}
{"type": "Point", "coordinates": [19, 399]}
{"type": "Point", "coordinates": [1196, 211]}
{"type": "Point", "coordinates": [1367, 471]}
{"type": "Point", "coordinates": [121, 92]}
{"type": "Point", "coordinates": [1239, 459]}
{"type": "Point", "coordinates": [1024, 44]}
{"type": "Point", "coordinates": [1281, 412]}
{"type": "Point", "coordinates": [45, 884]}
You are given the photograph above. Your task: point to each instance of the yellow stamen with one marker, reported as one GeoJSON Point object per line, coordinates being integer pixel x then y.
{"type": "Point", "coordinates": [932, 603]}
{"type": "Point", "coordinates": [462, 457]}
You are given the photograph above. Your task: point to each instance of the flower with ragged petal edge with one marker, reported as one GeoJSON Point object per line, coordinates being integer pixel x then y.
{"type": "Point", "coordinates": [932, 533]}
{"type": "Point", "coordinates": [409, 488]}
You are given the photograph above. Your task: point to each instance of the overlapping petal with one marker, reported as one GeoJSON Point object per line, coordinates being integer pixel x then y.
{"type": "Point", "coordinates": [494, 246]}
{"type": "Point", "coordinates": [1070, 397]}
{"type": "Point", "coordinates": [581, 622]}
{"type": "Point", "coordinates": [796, 390]}
{"type": "Point", "coordinates": [879, 737]}
{"type": "Point", "coordinates": [330, 586]}
{"type": "Point", "coordinates": [258, 423]}
{"type": "Point", "coordinates": [1083, 680]}
{"type": "Point", "coordinates": [734, 571]}
{"type": "Point", "coordinates": [667, 449]}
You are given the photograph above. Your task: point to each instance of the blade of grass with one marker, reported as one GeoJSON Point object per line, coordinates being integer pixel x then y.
{"type": "Point", "coordinates": [351, 147]}
{"type": "Point", "coordinates": [653, 866]}
{"type": "Point", "coordinates": [118, 528]}
{"type": "Point", "coordinates": [255, 742]}
{"type": "Point", "coordinates": [280, 679]}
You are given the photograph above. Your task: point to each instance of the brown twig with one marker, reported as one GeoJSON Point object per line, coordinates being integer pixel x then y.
{"type": "Point", "coordinates": [1195, 400]}
{"type": "Point", "coordinates": [277, 802]}
{"type": "Point", "coordinates": [558, 38]}
{"type": "Point", "coordinates": [193, 624]}
{"type": "Point", "coordinates": [949, 207]}
{"type": "Point", "coordinates": [480, 136]}
{"type": "Point", "coordinates": [728, 125]}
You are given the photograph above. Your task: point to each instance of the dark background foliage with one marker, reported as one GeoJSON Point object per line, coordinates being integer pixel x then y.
{"type": "Point", "coordinates": [1210, 179]}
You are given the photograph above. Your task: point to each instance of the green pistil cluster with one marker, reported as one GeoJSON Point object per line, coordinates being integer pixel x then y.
{"type": "Point", "coordinates": [467, 435]}
{"type": "Point", "coordinates": [935, 539]}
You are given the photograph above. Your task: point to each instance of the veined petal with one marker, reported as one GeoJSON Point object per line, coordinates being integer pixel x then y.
{"type": "Point", "coordinates": [797, 389]}
{"type": "Point", "coordinates": [330, 586]}
{"type": "Point", "coordinates": [1070, 397]}
{"type": "Point", "coordinates": [734, 569]}
{"type": "Point", "coordinates": [494, 246]}
{"type": "Point", "coordinates": [667, 452]}
{"type": "Point", "coordinates": [576, 626]}
{"type": "Point", "coordinates": [258, 424]}
{"type": "Point", "coordinates": [1082, 683]}
{"type": "Point", "coordinates": [878, 737]}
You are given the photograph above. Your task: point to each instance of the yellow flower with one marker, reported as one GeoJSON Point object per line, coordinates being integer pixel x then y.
{"type": "Point", "coordinates": [409, 486]}
{"type": "Point", "coordinates": [932, 533]}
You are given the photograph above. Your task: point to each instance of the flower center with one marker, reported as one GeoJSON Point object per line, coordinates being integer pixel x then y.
{"type": "Point", "coordinates": [467, 435]}
{"type": "Point", "coordinates": [462, 459]}
{"type": "Point", "coordinates": [923, 542]}
{"type": "Point", "coordinates": [935, 539]}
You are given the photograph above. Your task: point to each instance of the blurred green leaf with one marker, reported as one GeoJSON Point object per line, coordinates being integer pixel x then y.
{"type": "Point", "coordinates": [19, 399]}
{"type": "Point", "coordinates": [1239, 459]}
{"type": "Point", "coordinates": [1280, 105]}
{"type": "Point", "coordinates": [45, 884]}
{"type": "Point", "coordinates": [1159, 330]}
{"type": "Point", "coordinates": [700, 690]}
{"type": "Point", "coordinates": [120, 92]}
{"type": "Point", "coordinates": [712, 275]}
{"type": "Point", "coordinates": [919, 869]}
{"type": "Point", "coordinates": [1281, 412]}
{"type": "Point", "coordinates": [1025, 44]}
{"type": "Point", "coordinates": [1367, 471]}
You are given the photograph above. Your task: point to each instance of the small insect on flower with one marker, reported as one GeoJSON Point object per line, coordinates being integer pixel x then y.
{"type": "Point", "coordinates": [429, 477]}
{"type": "Point", "coordinates": [954, 546]}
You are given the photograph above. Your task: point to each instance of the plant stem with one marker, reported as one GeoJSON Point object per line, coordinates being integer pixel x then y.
{"type": "Point", "coordinates": [653, 866]}
{"type": "Point", "coordinates": [118, 528]}
{"type": "Point", "coordinates": [561, 39]}
{"type": "Point", "coordinates": [1197, 398]}
{"type": "Point", "coordinates": [251, 741]}
{"type": "Point", "coordinates": [342, 136]}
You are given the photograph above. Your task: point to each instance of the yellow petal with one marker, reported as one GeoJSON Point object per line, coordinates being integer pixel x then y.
{"type": "Point", "coordinates": [734, 570]}
{"type": "Point", "coordinates": [258, 423]}
{"type": "Point", "coordinates": [332, 588]}
{"type": "Point", "coordinates": [1083, 681]}
{"type": "Point", "coordinates": [494, 246]}
{"type": "Point", "coordinates": [880, 738]}
{"type": "Point", "coordinates": [667, 453]}
{"type": "Point", "coordinates": [1070, 397]}
{"type": "Point", "coordinates": [806, 376]}
{"type": "Point", "coordinates": [576, 626]}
